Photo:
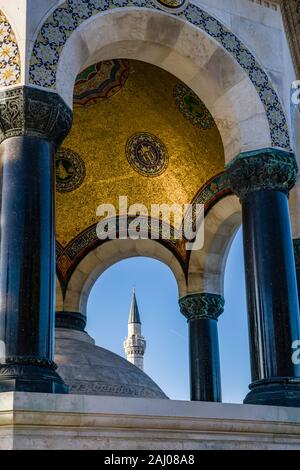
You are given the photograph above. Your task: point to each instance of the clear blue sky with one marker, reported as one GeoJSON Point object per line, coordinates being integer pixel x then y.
{"type": "Point", "coordinates": [165, 329]}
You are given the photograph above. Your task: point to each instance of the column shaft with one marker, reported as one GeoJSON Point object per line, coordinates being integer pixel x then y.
{"type": "Point", "coordinates": [271, 285]}
{"type": "Point", "coordinates": [202, 311]}
{"type": "Point", "coordinates": [32, 123]}
{"type": "Point", "coordinates": [262, 180]}
{"type": "Point", "coordinates": [27, 247]}
{"type": "Point", "coordinates": [204, 360]}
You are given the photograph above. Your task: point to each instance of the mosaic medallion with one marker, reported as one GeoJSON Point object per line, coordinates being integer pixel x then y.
{"type": "Point", "coordinates": [70, 170]}
{"type": "Point", "coordinates": [147, 154]}
{"type": "Point", "coordinates": [173, 4]}
{"type": "Point", "coordinates": [100, 81]}
{"type": "Point", "coordinates": [192, 107]}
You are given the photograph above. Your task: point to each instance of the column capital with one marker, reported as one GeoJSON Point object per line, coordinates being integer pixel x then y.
{"type": "Point", "coordinates": [260, 170]}
{"type": "Point", "coordinates": [33, 112]}
{"type": "Point", "coordinates": [202, 306]}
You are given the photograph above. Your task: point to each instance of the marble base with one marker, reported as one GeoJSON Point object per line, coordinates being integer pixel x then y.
{"type": "Point", "coordinates": [48, 421]}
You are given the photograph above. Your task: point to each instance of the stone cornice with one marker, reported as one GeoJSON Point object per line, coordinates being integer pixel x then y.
{"type": "Point", "coordinates": [33, 112]}
{"type": "Point", "coordinates": [202, 306]}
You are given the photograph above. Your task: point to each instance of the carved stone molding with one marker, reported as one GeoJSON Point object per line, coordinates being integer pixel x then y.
{"type": "Point", "coordinates": [291, 18]}
{"type": "Point", "coordinates": [32, 112]}
{"type": "Point", "coordinates": [202, 306]}
{"type": "Point", "coordinates": [267, 169]}
{"type": "Point", "coordinates": [27, 361]}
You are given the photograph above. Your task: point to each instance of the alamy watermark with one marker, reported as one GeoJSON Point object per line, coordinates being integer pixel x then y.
{"type": "Point", "coordinates": [163, 221]}
{"type": "Point", "coordinates": [296, 92]}
{"type": "Point", "coordinates": [296, 353]}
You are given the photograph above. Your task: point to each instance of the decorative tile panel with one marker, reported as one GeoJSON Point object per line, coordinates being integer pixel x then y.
{"type": "Point", "coordinates": [10, 64]}
{"type": "Point", "coordinates": [65, 19]}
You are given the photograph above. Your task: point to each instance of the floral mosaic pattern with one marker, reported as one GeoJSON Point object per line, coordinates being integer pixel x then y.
{"type": "Point", "coordinates": [68, 16]}
{"type": "Point", "coordinates": [192, 107]}
{"type": "Point", "coordinates": [10, 68]}
{"type": "Point", "coordinates": [100, 81]}
{"type": "Point", "coordinates": [174, 6]}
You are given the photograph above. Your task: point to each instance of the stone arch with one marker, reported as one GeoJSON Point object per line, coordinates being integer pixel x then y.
{"type": "Point", "coordinates": [194, 46]}
{"type": "Point", "coordinates": [206, 268]}
{"type": "Point", "coordinates": [102, 257]}
{"type": "Point", "coordinates": [10, 62]}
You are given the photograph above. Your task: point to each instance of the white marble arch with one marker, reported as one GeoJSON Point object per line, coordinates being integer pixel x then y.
{"type": "Point", "coordinates": [206, 268]}
{"type": "Point", "coordinates": [101, 258]}
{"type": "Point", "coordinates": [183, 50]}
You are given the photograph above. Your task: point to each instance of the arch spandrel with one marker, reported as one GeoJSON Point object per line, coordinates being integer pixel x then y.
{"type": "Point", "coordinates": [240, 128]}
{"type": "Point", "coordinates": [10, 61]}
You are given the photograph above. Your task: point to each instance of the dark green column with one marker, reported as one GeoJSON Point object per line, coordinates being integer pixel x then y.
{"type": "Point", "coordinates": [262, 180]}
{"type": "Point", "coordinates": [32, 124]}
{"type": "Point", "coordinates": [202, 312]}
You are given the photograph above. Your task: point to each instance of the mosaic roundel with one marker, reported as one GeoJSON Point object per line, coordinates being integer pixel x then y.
{"type": "Point", "coordinates": [147, 154]}
{"type": "Point", "coordinates": [172, 4]}
{"type": "Point", "coordinates": [192, 107]}
{"type": "Point", "coordinates": [100, 81]}
{"type": "Point", "coordinates": [70, 170]}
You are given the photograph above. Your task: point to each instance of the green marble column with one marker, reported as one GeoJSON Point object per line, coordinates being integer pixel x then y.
{"type": "Point", "coordinates": [32, 124]}
{"type": "Point", "coordinates": [262, 180]}
{"type": "Point", "coordinates": [202, 312]}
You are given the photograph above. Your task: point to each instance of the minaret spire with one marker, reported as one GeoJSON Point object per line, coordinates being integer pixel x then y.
{"type": "Point", "coordinates": [135, 344]}
{"type": "Point", "coordinates": [134, 314]}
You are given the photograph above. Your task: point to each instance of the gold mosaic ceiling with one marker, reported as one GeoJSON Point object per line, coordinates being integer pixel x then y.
{"type": "Point", "coordinates": [139, 132]}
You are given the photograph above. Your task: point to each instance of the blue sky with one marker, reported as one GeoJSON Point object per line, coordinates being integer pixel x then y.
{"type": "Point", "coordinates": [165, 329]}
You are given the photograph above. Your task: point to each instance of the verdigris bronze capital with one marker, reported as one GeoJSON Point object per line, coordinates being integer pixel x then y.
{"type": "Point", "coordinates": [260, 170]}
{"type": "Point", "coordinates": [202, 306]}
{"type": "Point", "coordinates": [27, 111]}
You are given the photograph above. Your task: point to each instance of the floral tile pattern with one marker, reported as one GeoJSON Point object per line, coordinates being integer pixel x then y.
{"type": "Point", "coordinates": [68, 16]}
{"type": "Point", "coordinates": [10, 67]}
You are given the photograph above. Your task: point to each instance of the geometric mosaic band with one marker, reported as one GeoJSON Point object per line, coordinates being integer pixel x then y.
{"type": "Point", "coordinates": [65, 19]}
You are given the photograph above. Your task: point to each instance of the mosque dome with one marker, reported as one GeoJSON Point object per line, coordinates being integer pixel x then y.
{"type": "Point", "coordinates": [91, 370]}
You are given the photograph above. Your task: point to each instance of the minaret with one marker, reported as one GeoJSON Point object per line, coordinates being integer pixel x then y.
{"type": "Point", "coordinates": [135, 344]}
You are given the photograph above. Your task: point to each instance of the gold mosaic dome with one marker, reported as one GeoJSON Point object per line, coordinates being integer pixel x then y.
{"type": "Point", "coordinates": [139, 132]}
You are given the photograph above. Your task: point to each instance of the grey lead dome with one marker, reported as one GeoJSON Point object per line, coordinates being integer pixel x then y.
{"type": "Point", "coordinates": [91, 370]}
